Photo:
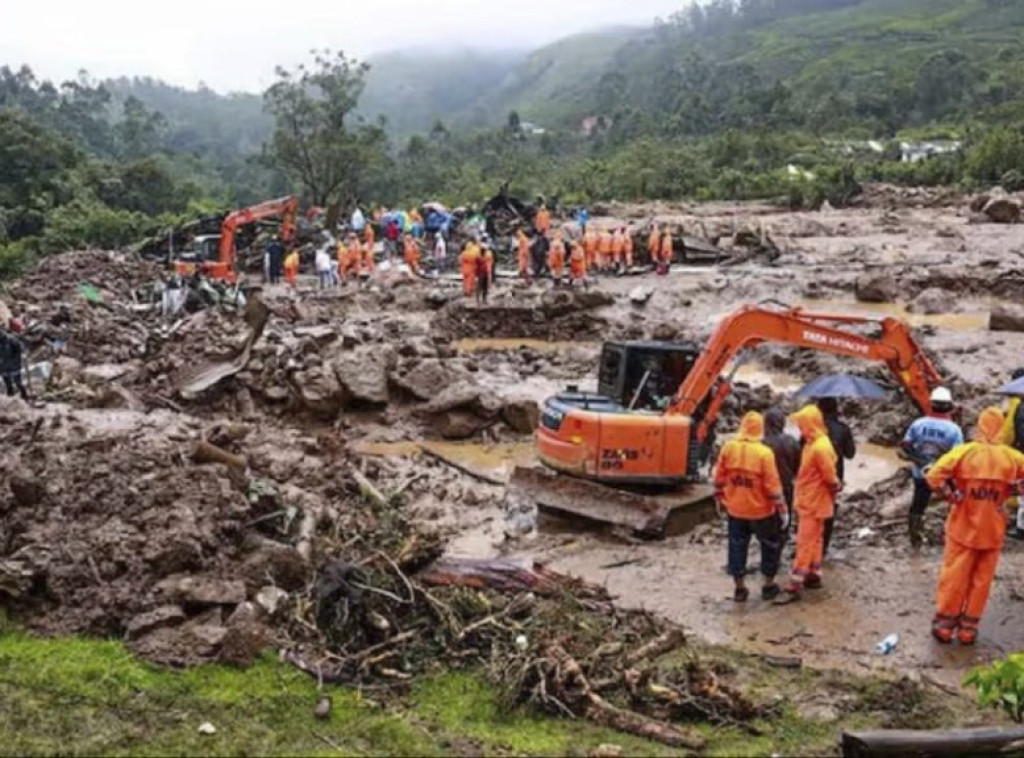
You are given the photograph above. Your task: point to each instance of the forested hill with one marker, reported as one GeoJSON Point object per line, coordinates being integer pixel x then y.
{"type": "Point", "coordinates": [830, 65]}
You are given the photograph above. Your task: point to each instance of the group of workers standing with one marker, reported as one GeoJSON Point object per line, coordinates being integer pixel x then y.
{"type": "Point", "coordinates": [764, 479]}
{"type": "Point", "coordinates": [542, 250]}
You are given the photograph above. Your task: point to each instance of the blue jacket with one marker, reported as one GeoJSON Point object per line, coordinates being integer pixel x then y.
{"type": "Point", "coordinates": [930, 438]}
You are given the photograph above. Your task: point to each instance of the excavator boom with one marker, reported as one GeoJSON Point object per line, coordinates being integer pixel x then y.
{"type": "Point", "coordinates": [606, 441]}
{"type": "Point", "coordinates": [754, 325]}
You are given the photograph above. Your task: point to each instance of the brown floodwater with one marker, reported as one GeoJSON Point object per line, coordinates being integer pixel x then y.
{"type": "Point", "coordinates": [495, 344]}
{"type": "Point", "coordinates": [973, 319]}
{"type": "Point", "coordinates": [495, 461]}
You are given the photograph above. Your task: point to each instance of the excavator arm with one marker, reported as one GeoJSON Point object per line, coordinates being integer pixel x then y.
{"type": "Point", "coordinates": [286, 207]}
{"type": "Point", "coordinates": [754, 325]}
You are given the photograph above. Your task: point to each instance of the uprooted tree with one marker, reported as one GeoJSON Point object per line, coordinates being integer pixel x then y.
{"type": "Point", "coordinates": [318, 140]}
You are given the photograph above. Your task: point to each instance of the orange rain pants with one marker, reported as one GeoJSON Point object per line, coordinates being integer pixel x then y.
{"type": "Point", "coordinates": [964, 585]}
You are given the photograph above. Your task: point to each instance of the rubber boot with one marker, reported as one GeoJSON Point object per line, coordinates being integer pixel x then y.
{"type": "Point", "coordinates": [943, 629]}
{"type": "Point", "coordinates": [916, 529]}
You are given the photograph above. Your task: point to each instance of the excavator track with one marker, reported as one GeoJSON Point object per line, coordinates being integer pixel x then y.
{"type": "Point", "coordinates": [648, 516]}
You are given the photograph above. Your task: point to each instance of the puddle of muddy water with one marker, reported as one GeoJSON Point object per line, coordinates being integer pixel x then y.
{"type": "Point", "coordinates": [974, 319]}
{"type": "Point", "coordinates": [492, 460]}
{"type": "Point", "coordinates": [872, 464]}
{"type": "Point", "coordinates": [495, 344]}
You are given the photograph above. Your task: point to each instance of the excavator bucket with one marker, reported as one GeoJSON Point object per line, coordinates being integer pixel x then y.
{"type": "Point", "coordinates": [650, 516]}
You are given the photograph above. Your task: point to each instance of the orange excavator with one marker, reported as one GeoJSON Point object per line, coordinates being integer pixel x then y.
{"type": "Point", "coordinates": [219, 262]}
{"type": "Point", "coordinates": [632, 453]}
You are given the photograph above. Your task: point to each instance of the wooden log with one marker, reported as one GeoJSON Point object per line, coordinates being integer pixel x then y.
{"type": "Point", "coordinates": [600, 711]}
{"type": "Point", "coordinates": [663, 643]}
{"type": "Point", "coordinates": [205, 452]}
{"type": "Point", "coordinates": [929, 744]}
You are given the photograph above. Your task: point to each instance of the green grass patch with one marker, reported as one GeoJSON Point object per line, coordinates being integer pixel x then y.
{"type": "Point", "coordinates": [87, 697]}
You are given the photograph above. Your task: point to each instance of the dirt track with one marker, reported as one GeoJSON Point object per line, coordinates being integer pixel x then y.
{"type": "Point", "coordinates": [355, 378]}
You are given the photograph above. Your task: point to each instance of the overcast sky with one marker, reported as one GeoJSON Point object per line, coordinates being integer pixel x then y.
{"type": "Point", "coordinates": [235, 44]}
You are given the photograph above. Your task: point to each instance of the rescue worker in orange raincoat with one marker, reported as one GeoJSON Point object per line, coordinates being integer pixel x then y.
{"type": "Point", "coordinates": [350, 257]}
{"type": "Point", "coordinates": [748, 488]}
{"type": "Point", "coordinates": [524, 255]}
{"type": "Point", "coordinates": [291, 267]}
{"type": "Point", "coordinates": [604, 250]}
{"type": "Point", "coordinates": [976, 479]}
{"type": "Point", "coordinates": [411, 253]}
{"type": "Point", "coordinates": [618, 248]}
{"type": "Point", "coordinates": [666, 251]}
{"type": "Point", "coordinates": [816, 487]}
{"type": "Point", "coordinates": [556, 258]}
{"type": "Point", "coordinates": [467, 261]}
{"type": "Point", "coordinates": [654, 245]}
{"type": "Point", "coordinates": [542, 221]}
{"type": "Point", "coordinates": [577, 263]}
{"type": "Point", "coordinates": [370, 237]}
{"type": "Point", "coordinates": [367, 266]}
{"type": "Point", "coordinates": [590, 248]}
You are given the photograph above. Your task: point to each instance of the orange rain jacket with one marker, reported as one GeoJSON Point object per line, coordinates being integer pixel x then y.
{"type": "Point", "coordinates": [816, 481]}
{"type": "Point", "coordinates": [556, 257]}
{"type": "Point", "coordinates": [542, 222]}
{"type": "Point", "coordinates": [983, 472]}
{"type": "Point", "coordinates": [666, 247]}
{"type": "Point", "coordinates": [746, 478]}
{"type": "Point", "coordinates": [577, 261]}
{"type": "Point", "coordinates": [654, 245]}
{"type": "Point", "coordinates": [524, 254]}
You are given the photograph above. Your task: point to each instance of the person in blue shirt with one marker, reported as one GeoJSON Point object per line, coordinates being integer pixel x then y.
{"type": "Point", "coordinates": [927, 440]}
{"type": "Point", "coordinates": [582, 218]}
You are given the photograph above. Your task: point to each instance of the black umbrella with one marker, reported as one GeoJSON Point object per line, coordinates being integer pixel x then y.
{"type": "Point", "coordinates": [1014, 388]}
{"type": "Point", "coordinates": [842, 385]}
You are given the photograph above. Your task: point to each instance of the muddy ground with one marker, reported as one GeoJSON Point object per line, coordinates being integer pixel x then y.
{"type": "Point", "coordinates": [116, 524]}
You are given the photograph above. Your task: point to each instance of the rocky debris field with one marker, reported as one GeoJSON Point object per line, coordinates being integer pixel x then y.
{"type": "Point", "coordinates": [289, 473]}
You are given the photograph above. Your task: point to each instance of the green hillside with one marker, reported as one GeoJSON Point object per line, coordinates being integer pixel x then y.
{"type": "Point", "coordinates": [473, 89]}
{"type": "Point", "coordinates": [413, 90]}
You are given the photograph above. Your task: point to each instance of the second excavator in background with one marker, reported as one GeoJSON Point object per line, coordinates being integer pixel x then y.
{"type": "Point", "coordinates": [214, 256]}
{"type": "Point", "coordinates": [633, 453]}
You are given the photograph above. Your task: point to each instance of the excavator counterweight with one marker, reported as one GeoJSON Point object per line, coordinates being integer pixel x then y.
{"type": "Point", "coordinates": [649, 430]}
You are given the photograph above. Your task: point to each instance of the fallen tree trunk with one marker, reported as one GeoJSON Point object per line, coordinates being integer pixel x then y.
{"type": "Point", "coordinates": [925, 744]}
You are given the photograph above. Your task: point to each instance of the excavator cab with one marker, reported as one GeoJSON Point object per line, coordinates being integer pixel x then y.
{"type": "Point", "coordinates": [644, 375]}
{"type": "Point", "coordinates": [621, 434]}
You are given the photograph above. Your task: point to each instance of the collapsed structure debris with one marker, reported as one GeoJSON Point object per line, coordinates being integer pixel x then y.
{"type": "Point", "coordinates": [221, 474]}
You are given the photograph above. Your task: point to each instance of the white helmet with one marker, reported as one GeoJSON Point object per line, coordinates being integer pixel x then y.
{"type": "Point", "coordinates": [941, 395]}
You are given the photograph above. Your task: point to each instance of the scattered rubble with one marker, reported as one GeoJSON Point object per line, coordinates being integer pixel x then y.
{"type": "Point", "coordinates": [214, 519]}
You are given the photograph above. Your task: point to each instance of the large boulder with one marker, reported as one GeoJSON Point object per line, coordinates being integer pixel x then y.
{"type": "Point", "coordinates": [320, 392]}
{"type": "Point", "coordinates": [458, 424]}
{"type": "Point", "coordinates": [876, 288]}
{"type": "Point", "coordinates": [522, 415]}
{"type": "Point", "coordinates": [934, 300]}
{"type": "Point", "coordinates": [363, 377]}
{"type": "Point", "coordinates": [426, 380]}
{"type": "Point", "coordinates": [1003, 210]}
{"type": "Point", "coordinates": [465, 396]}
{"type": "Point", "coordinates": [1006, 318]}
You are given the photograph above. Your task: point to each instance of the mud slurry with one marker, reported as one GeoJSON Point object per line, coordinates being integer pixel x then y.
{"type": "Point", "coordinates": [109, 511]}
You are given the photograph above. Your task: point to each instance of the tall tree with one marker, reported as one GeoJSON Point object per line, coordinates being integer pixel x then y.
{"type": "Point", "coordinates": [317, 140]}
